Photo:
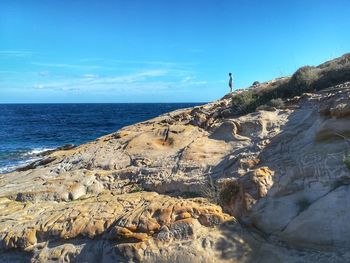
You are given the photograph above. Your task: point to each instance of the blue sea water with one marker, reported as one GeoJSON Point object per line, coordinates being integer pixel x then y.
{"type": "Point", "coordinates": [28, 129]}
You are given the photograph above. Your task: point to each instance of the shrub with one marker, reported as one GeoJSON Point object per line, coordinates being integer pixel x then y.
{"type": "Point", "coordinates": [136, 189]}
{"type": "Point", "coordinates": [220, 193]}
{"type": "Point", "coordinates": [333, 76]}
{"type": "Point", "coordinates": [228, 190]}
{"type": "Point", "coordinates": [302, 79]}
{"type": "Point", "coordinates": [326, 75]}
{"type": "Point", "coordinates": [245, 102]}
{"type": "Point", "coordinates": [209, 190]}
{"type": "Point", "coordinates": [277, 103]}
{"type": "Point", "coordinates": [305, 79]}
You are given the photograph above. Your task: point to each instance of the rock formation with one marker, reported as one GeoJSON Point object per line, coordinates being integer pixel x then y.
{"type": "Point", "coordinates": [194, 185]}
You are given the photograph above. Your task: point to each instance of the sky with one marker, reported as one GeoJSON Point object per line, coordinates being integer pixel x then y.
{"type": "Point", "coordinates": [85, 51]}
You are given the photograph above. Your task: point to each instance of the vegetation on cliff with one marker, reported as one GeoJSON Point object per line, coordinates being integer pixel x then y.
{"type": "Point", "coordinates": [304, 80]}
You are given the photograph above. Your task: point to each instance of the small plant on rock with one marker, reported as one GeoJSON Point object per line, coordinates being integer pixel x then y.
{"type": "Point", "coordinates": [210, 190]}
{"type": "Point", "coordinates": [346, 161]}
{"type": "Point", "coordinates": [136, 189]}
{"type": "Point", "coordinates": [220, 193]}
{"type": "Point", "coordinates": [229, 189]}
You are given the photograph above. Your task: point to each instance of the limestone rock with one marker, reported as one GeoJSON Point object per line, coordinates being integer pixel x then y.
{"type": "Point", "coordinates": [124, 196]}
{"type": "Point", "coordinates": [138, 217]}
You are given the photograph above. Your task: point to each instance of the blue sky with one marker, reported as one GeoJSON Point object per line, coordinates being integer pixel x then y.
{"type": "Point", "coordinates": [159, 51]}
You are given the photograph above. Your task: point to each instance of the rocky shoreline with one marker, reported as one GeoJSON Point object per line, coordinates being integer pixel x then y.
{"type": "Point", "coordinates": [203, 184]}
{"type": "Point", "coordinates": [42, 160]}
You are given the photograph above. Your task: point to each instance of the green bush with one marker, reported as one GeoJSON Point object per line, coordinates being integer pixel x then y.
{"type": "Point", "coordinates": [277, 103]}
{"type": "Point", "coordinates": [301, 81]}
{"type": "Point", "coordinates": [305, 79]}
{"type": "Point", "coordinates": [136, 189]}
{"type": "Point", "coordinates": [245, 102]}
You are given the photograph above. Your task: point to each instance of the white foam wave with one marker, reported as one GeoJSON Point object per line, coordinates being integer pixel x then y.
{"type": "Point", "coordinates": [12, 167]}
{"type": "Point", "coordinates": [27, 158]}
{"type": "Point", "coordinates": [37, 151]}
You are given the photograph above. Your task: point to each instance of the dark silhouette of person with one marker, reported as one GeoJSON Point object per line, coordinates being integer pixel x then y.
{"type": "Point", "coordinates": [230, 82]}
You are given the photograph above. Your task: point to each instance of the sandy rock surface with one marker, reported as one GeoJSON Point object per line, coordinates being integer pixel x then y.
{"type": "Point", "coordinates": [132, 195]}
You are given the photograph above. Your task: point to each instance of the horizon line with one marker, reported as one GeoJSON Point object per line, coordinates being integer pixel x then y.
{"type": "Point", "coordinates": [11, 103]}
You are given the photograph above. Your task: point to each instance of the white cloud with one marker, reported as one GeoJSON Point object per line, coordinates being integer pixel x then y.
{"type": "Point", "coordinates": [44, 73]}
{"type": "Point", "coordinates": [64, 65]}
{"type": "Point", "coordinates": [142, 82]}
{"type": "Point", "coordinates": [133, 62]}
{"type": "Point", "coordinates": [90, 76]}
{"type": "Point", "coordinates": [187, 79]}
{"type": "Point", "coordinates": [39, 86]}
{"type": "Point", "coordinates": [16, 53]}
{"type": "Point", "coordinates": [192, 81]}
{"type": "Point", "coordinates": [152, 77]}
{"type": "Point", "coordinates": [131, 78]}
{"type": "Point", "coordinates": [94, 82]}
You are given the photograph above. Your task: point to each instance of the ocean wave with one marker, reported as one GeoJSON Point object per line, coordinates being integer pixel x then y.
{"type": "Point", "coordinates": [20, 158]}
{"type": "Point", "coordinates": [37, 151]}
{"type": "Point", "coordinates": [12, 167]}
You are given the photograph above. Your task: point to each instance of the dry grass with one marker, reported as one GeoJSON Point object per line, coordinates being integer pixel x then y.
{"type": "Point", "coordinates": [210, 190]}
{"type": "Point", "coordinates": [220, 194]}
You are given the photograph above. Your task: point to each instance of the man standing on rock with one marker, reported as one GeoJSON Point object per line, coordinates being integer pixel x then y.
{"type": "Point", "coordinates": [230, 82]}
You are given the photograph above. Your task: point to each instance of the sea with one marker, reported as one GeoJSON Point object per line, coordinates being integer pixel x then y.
{"type": "Point", "coordinates": [26, 130]}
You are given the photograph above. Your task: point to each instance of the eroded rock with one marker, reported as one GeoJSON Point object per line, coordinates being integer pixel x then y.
{"type": "Point", "coordinates": [119, 198]}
